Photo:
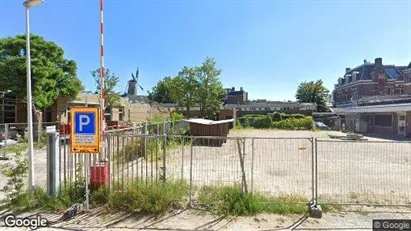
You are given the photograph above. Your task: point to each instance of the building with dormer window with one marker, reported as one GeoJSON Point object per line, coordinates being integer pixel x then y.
{"type": "Point", "coordinates": [375, 98]}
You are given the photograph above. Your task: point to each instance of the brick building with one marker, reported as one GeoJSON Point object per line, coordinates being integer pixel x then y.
{"type": "Point", "coordinates": [371, 80]}
{"type": "Point", "coordinates": [236, 97]}
{"type": "Point", "coordinates": [375, 98]}
{"type": "Point", "coordinates": [13, 109]}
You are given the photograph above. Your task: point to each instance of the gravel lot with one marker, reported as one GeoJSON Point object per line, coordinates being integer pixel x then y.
{"type": "Point", "coordinates": [374, 171]}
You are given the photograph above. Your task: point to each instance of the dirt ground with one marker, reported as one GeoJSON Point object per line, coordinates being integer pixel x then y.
{"type": "Point", "coordinates": [275, 162]}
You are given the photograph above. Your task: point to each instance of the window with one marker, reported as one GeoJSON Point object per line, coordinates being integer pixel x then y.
{"type": "Point", "coordinates": [383, 120]}
{"type": "Point", "coordinates": [392, 73]}
{"type": "Point", "coordinates": [121, 114]}
{"type": "Point", "coordinates": [9, 117]}
{"type": "Point", "coordinates": [48, 115]}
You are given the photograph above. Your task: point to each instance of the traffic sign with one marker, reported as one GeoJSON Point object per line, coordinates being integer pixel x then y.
{"type": "Point", "coordinates": [85, 127]}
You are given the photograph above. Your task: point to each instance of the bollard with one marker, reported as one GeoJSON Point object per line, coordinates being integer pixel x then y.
{"type": "Point", "coordinates": [53, 162]}
{"type": "Point", "coordinates": [164, 127]}
{"type": "Point", "coordinates": [6, 136]}
{"type": "Point", "coordinates": [144, 130]}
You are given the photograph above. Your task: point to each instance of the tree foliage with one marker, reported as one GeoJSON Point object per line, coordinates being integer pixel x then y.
{"type": "Point", "coordinates": [192, 86]}
{"type": "Point", "coordinates": [52, 75]}
{"type": "Point", "coordinates": [186, 88]}
{"type": "Point", "coordinates": [210, 91]}
{"type": "Point", "coordinates": [313, 92]}
{"type": "Point", "coordinates": [111, 80]}
{"type": "Point", "coordinates": [162, 92]}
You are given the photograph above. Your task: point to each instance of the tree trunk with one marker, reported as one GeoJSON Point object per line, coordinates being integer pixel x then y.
{"type": "Point", "coordinates": [188, 112]}
{"type": "Point", "coordinates": [37, 123]}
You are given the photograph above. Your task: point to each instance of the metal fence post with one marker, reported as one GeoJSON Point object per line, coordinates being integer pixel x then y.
{"type": "Point", "coordinates": [182, 157]}
{"type": "Point", "coordinates": [164, 154]}
{"type": "Point", "coordinates": [191, 175]}
{"type": "Point", "coordinates": [313, 188]}
{"type": "Point", "coordinates": [53, 162]}
{"type": "Point", "coordinates": [316, 168]}
{"type": "Point", "coordinates": [252, 165]}
{"type": "Point", "coordinates": [109, 162]}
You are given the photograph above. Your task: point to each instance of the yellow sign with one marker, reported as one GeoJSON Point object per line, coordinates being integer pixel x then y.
{"type": "Point", "coordinates": [85, 130]}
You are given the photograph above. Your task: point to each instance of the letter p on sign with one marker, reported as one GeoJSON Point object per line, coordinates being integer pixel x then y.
{"type": "Point", "coordinates": [85, 123]}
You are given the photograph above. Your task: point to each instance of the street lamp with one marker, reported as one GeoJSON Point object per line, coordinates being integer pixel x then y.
{"type": "Point", "coordinates": [28, 4]}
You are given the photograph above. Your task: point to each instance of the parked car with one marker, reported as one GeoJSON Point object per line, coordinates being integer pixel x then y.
{"type": "Point", "coordinates": [321, 126]}
{"type": "Point", "coordinates": [12, 133]}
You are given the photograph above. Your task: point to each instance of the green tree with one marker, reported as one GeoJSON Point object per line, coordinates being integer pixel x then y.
{"type": "Point", "coordinates": [52, 75]}
{"type": "Point", "coordinates": [163, 91]}
{"type": "Point", "coordinates": [210, 91]}
{"type": "Point", "coordinates": [313, 92]}
{"type": "Point", "coordinates": [185, 88]}
{"type": "Point", "coordinates": [111, 80]}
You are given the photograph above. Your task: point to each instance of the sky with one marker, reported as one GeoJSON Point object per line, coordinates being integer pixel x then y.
{"type": "Point", "coordinates": [266, 47]}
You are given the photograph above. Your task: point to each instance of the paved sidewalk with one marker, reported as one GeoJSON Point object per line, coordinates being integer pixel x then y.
{"type": "Point", "coordinates": [183, 220]}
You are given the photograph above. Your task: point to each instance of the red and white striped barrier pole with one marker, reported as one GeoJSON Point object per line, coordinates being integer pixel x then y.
{"type": "Point", "coordinates": [102, 107]}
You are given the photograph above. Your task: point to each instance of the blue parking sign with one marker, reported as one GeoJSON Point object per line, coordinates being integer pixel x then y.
{"type": "Point", "coordinates": [85, 123]}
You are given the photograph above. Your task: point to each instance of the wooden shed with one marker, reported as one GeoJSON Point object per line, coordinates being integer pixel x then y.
{"type": "Point", "coordinates": [204, 127]}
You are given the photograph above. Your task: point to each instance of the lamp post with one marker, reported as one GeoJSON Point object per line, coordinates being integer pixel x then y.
{"type": "Point", "coordinates": [28, 4]}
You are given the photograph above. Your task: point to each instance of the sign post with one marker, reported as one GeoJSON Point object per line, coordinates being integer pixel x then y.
{"type": "Point", "coordinates": [85, 136]}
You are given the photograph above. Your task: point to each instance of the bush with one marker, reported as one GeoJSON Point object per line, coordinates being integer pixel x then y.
{"type": "Point", "coordinates": [278, 116]}
{"type": "Point", "coordinates": [294, 124]}
{"type": "Point", "coordinates": [149, 197]}
{"type": "Point", "coordinates": [232, 202]}
{"type": "Point", "coordinates": [174, 116]}
{"type": "Point", "coordinates": [276, 120]}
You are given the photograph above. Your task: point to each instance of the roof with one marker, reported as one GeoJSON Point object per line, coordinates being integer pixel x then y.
{"type": "Point", "coordinates": [209, 122]}
{"type": "Point", "coordinates": [374, 109]}
{"type": "Point", "coordinates": [365, 71]}
{"type": "Point", "coordinates": [235, 93]}
{"type": "Point", "coordinates": [83, 102]}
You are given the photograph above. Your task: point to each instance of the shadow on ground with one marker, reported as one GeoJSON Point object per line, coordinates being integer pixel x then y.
{"type": "Point", "coordinates": [196, 219]}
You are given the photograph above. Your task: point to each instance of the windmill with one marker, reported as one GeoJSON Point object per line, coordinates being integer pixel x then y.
{"type": "Point", "coordinates": [133, 83]}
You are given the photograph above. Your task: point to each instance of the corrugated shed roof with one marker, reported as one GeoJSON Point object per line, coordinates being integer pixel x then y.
{"type": "Point", "coordinates": [209, 122]}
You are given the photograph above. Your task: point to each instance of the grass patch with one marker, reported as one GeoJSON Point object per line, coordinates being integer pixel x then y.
{"type": "Point", "coordinates": [228, 200]}
{"type": "Point", "coordinates": [39, 199]}
{"type": "Point", "coordinates": [145, 197]}
{"type": "Point", "coordinates": [19, 147]}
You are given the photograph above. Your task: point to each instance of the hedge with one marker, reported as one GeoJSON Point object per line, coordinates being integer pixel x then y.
{"type": "Point", "coordinates": [278, 121]}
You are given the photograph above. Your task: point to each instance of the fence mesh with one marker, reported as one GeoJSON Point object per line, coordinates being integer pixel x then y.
{"type": "Point", "coordinates": [364, 172]}
{"type": "Point", "coordinates": [331, 171]}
